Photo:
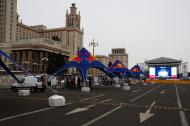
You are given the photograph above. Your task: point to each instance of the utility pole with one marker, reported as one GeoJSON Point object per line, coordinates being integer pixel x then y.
{"type": "Point", "coordinates": [93, 44]}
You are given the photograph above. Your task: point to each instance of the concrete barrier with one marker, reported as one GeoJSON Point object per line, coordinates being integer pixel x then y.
{"type": "Point", "coordinates": [56, 100]}
{"type": "Point", "coordinates": [144, 84]}
{"type": "Point", "coordinates": [85, 89]}
{"type": "Point", "coordinates": [125, 84]}
{"type": "Point", "coordinates": [126, 88]}
{"type": "Point", "coordinates": [23, 92]}
{"type": "Point", "coordinates": [117, 85]}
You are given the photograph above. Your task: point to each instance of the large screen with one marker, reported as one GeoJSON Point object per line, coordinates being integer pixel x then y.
{"type": "Point", "coordinates": [163, 72]}
{"type": "Point", "coordinates": [174, 72]}
{"type": "Point", "coordinates": [152, 73]}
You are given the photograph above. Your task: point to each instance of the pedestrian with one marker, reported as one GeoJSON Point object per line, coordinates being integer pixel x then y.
{"type": "Point", "coordinates": [67, 82]}
{"type": "Point", "coordinates": [78, 82]}
{"type": "Point", "coordinates": [72, 82]}
{"type": "Point", "coordinates": [117, 80]}
{"type": "Point", "coordinates": [90, 82]}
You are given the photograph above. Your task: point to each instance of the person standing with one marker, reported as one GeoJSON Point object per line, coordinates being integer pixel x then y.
{"type": "Point", "coordinates": [90, 82]}
{"type": "Point", "coordinates": [78, 82]}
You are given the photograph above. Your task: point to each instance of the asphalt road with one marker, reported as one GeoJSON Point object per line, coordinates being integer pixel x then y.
{"type": "Point", "coordinates": [144, 105]}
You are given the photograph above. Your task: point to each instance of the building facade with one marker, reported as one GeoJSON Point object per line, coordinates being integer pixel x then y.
{"type": "Point", "coordinates": [36, 46]}
{"type": "Point", "coordinates": [104, 60]}
{"type": "Point", "coordinates": [119, 54]}
{"type": "Point", "coordinates": [8, 20]}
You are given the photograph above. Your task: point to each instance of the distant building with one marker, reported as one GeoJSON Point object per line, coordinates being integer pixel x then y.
{"type": "Point", "coordinates": [142, 66]}
{"type": "Point", "coordinates": [8, 20]}
{"type": "Point", "coordinates": [31, 45]}
{"type": "Point", "coordinates": [120, 54]}
{"type": "Point", "coordinates": [184, 69]}
{"type": "Point", "coordinates": [69, 37]}
{"type": "Point", "coordinates": [102, 58]}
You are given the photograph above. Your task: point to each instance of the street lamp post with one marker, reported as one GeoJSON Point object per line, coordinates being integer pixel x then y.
{"type": "Point", "coordinates": [93, 44]}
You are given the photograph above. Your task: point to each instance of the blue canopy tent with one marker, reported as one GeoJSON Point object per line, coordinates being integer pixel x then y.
{"type": "Point", "coordinates": [135, 71]}
{"type": "Point", "coordinates": [118, 67]}
{"type": "Point", "coordinates": [83, 62]}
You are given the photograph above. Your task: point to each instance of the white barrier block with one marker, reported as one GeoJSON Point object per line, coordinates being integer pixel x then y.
{"type": "Point", "coordinates": [126, 88]}
{"type": "Point", "coordinates": [125, 84]}
{"type": "Point", "coordinates": [23, 92]}
{"type": "Point", "coordinates": [133, 82]}
{"type": "Point", "coordinates": [85, 89]}
{"type": "Point", "coordinates": [144, 84]}
{"type": "Point", "coordinates": [56, 100]}
{"type": "Point", "coordinates": [117, 85]}
{"type": "Point", "coordinates": [96, 83]}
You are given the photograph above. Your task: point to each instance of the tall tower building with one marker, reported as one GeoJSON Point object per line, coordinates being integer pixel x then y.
{"type": "Point", "coordinates": [8, 20]}
{"type": "Point", "coordinates": [74, 32]}
{"type": "Point", "coordinates": [73, 19]}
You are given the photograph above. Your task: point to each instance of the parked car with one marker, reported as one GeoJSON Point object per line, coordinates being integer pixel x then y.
{"type": "Point", "coordinates": [29, 82]}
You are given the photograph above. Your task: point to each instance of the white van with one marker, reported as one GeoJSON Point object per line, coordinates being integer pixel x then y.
{"type": "Point", "coordinates": [30, 82]}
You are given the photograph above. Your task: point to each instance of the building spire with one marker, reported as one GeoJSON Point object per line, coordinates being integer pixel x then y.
{"type": "Point", "coordinates": [73, 9]}
{"type": "Point", "coordinates": [72, 18]}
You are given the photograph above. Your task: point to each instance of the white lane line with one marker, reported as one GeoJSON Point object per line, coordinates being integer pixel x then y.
{"type": "Point", "coordinates": [28, 113]}
{"type": "Point", "coordinates": [85, 99]}
{"type": "Point", "coordinates": [105, 100]}
{"type": "Point", "coordinates": [181, 113]}
{"type": "Point", "coordinates": [163, 92]}
{"type": "Point", "coordinates": [135, 91]}
{"type": "Point", "coordinates": [138, 97]}
{"type": "Point", "coordinates": [98, 103]}
{"type": "Point", "coordinates": [69, 92]}
{"type": "Point", "coordinates": [100, 117]}
{"type": "Point", "coordinates": [77, 110]}
{"type": "Point", "coordinates": [111, 111]}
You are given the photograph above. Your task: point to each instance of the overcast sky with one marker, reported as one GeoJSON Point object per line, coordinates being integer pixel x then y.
{"type": "Point", "coordinates": [147, 29]}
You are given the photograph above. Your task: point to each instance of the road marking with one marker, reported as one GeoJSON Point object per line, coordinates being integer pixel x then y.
{"type": "Point", "coordinates": [147, 114]}
{"type": "Point", "coordinates": [100, 117]}
{"type": "Point", "coordinates": [163, 92]}
{"type": "Point", "coordinates": [85, 108]}
{"type": "Point", "coordinates": [85, 99]}
{"type": "Point", "coordinates": [105, 100]}
{"type": "Point", "coordinates": [138, 97]}
{"type": "Point", "coordinates": [181, 113]}
{"type": "Point", "coordinates": [135, 91]}
{"type": "Point", "coordinates": [70, 92]}
{"type": "Point", "coordinates": [28, 113]}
